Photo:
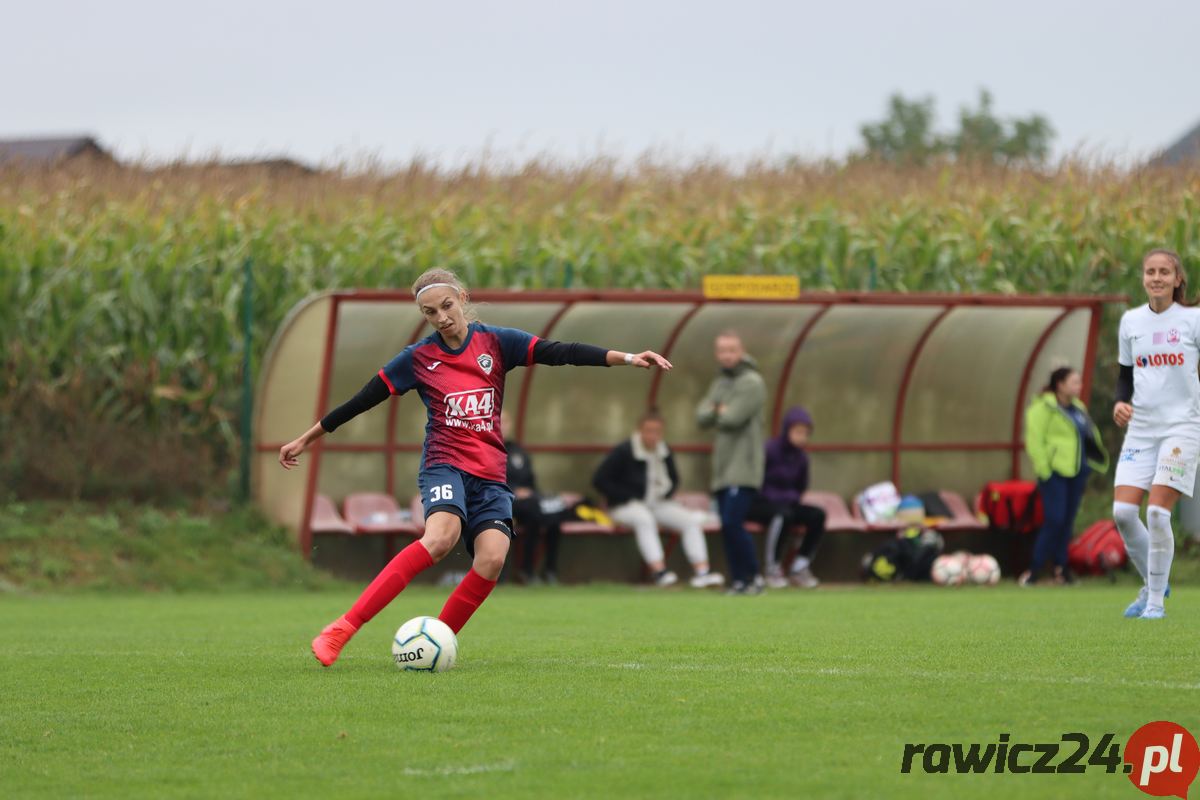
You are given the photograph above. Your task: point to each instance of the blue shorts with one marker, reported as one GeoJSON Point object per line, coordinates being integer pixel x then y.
{"type": "Point", "coordinates": [478, 503]}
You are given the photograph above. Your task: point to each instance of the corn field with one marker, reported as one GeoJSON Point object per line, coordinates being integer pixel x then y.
{"type": "Point", "coordinates": [120, 289]}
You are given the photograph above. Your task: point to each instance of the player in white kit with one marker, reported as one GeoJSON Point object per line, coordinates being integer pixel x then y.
{"type": "Point", "coordinates": [1158, 398]}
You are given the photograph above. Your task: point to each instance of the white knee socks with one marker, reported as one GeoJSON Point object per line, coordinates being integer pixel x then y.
{"type": "Point", "coordinates": [1137, 538]}
{"type": "Point", "coordinates": [1160, 555]}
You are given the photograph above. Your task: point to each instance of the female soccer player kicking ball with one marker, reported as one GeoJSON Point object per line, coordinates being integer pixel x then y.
{"type": "Point", "coordinates": [458, 372]}
{"type": "Point", "coordinates": [1158, 398]}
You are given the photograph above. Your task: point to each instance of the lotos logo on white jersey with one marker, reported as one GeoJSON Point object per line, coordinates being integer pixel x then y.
{"type": "Point", "coordinates": [476, 405]}
{"type": "Point", "coordinates": [1160, 360]}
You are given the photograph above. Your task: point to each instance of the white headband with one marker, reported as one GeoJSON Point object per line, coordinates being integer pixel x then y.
{"type": "Point", "coordinates": [432, 285]}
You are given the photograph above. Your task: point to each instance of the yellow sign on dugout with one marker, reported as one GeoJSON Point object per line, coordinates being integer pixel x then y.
{"type": "Point", "coordinates": [751, 287]}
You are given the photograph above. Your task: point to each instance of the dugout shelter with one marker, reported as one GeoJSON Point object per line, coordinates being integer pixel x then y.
{"type": "Point", "coordinates": [926, 390]}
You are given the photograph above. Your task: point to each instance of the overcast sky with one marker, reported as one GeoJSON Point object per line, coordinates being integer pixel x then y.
{"type": "Point", "coordinates": [328, 81]}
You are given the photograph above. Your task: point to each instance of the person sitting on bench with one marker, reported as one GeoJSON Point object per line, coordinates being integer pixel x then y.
{"type": "Point", "coordinates": [638, 477]}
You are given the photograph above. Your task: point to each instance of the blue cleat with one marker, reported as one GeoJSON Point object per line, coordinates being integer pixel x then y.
{"type": "Point", "coordinates": [1135, 609]}
{"type": "Point", "coordinates": [1153, 612]}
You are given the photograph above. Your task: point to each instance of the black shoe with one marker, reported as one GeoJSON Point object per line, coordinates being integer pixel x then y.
{"type": "Point", "coordinates": [754, 587]}
{"type": "Point", "coordinates": [665, 577]}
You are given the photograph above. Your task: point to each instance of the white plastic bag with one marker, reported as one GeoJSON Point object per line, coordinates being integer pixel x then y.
{"type": "Point", "coordinates": [878, 502]}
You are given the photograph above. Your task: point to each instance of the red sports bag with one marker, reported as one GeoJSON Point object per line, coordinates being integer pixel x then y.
{"type": "Point", "coordinates": [1098, 550]}
{"type": "Point", "coordinates": [1013, 506]}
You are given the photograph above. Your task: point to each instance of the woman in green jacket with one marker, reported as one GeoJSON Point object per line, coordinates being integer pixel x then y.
{"type": "Point", "coordinates": [1064, 446]}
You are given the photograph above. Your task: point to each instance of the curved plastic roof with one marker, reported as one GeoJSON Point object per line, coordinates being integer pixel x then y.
{"type": "Point", "coordinates": [925, 390]}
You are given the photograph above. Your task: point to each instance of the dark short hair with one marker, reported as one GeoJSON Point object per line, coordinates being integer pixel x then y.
{"type": "Point", "coordinates": [1058, 376]}
{"type": "Point", "coordinates": [650, 415]}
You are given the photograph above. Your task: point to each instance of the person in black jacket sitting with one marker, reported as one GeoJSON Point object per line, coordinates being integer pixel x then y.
{"type": "Point", "coordinates": [539, 517]}
{"type": "Point", "coordinates": [638, 477]}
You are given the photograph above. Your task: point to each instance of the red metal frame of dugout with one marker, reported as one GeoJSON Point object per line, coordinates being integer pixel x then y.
{"type": "Point", "coordinates": [568, 299]}
{"type": "Point", "coordinates": [1018, 408]}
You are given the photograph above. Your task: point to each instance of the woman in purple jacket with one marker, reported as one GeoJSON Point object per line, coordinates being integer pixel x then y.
{"type": "Point", "coordinates": [778, 506]}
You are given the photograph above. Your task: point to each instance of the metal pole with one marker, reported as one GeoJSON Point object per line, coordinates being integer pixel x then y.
{"type": "Point", "coordinates": [902, 394]}
{"type": "Point", "coordinates": [314, 461]}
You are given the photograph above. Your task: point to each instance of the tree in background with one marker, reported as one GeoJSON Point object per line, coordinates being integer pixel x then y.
{"type": "Point", "coordinates": [907, 136]}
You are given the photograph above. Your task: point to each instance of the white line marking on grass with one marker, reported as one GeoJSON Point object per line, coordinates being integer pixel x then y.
{"type": "Point", "coordinates": [859, 672]}
{"type": "Point", "coordinates": [1056, 680]}
{"type": "Point", "coordinates": [446, 772]}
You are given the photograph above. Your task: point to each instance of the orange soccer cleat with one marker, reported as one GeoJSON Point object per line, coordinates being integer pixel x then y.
{"type": "Point", "coordinates": [329, 643]}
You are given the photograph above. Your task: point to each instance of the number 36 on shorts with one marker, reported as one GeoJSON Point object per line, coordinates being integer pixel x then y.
{"type": "Point", "coordinates": [441, 493]}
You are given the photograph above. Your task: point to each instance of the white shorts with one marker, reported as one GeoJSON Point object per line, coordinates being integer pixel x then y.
{"type": "Point", "coordinates": [1159, 460]}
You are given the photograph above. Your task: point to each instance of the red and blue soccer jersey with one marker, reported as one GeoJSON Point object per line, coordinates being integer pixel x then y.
{"type": "Point", "coordinates": [463, 390]}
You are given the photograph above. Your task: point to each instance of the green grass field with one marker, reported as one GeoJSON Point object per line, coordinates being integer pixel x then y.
{"type": "Point", "coordinates": [580, 692]}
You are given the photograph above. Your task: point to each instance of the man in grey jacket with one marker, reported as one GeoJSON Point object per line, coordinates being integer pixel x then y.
{"type": "Point", "coordinates": [734, 406]}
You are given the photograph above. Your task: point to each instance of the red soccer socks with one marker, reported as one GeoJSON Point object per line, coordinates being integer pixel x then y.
{"type": "Point", "coordinates": [466, 597]}
{"type": "Point", "coordinates": [390, 582]}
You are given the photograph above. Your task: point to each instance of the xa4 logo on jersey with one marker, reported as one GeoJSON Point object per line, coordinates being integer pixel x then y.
{"type": "Point", "coordinates": [470, 405]}
{"type": "Point", "coordinates": [1160, 360]}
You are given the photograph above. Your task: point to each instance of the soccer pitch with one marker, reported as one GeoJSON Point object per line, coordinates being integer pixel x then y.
{"type": "Point", "coordinates": [582, 692]}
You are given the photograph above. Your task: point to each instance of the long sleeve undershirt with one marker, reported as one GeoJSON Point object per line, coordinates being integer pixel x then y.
{"type": "Point", "coordinates": [1124, 391]}
{"type": "Point", "coordinates": [369, 396]}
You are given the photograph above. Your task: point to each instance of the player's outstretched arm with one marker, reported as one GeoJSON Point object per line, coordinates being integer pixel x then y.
{"type": "Point", "coordinates": [289, 454]}
{"type": "Point", "coordinates": [645, 359]}
{"type": "Point", "coordinates": [577, 354]}
{"type": "Point", "coordinates": [371, 395]}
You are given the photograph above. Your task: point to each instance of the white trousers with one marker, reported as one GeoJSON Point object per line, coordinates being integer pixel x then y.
{"type": "Point", "coordinates": [645, 518]}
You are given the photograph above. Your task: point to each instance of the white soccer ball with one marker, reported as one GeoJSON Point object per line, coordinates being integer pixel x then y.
{"type": "Point", "coordinates": [983, 570]}
{"type": "Point", "coordinates": [948, 570]}
{"type": "Point", "coordinates": [425, 644]}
